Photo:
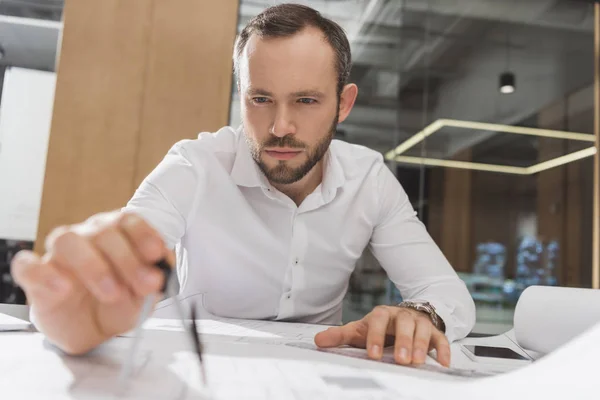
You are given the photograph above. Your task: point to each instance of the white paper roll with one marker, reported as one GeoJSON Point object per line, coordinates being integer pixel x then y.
{"type": "Point", "coordinates": [547, 317]}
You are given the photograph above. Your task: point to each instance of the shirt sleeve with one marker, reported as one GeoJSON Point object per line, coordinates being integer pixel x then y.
{"type": "Point", "coordinates": [167, 197]}
{"type": "Point", "coordinates": [413, 261]}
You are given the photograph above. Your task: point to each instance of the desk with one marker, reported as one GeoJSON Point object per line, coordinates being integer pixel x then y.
{"type": "Point", "coordinates": [283, 371]}
{"type": "Point", "coordinates": [166, 369]}
{"type": "Point", "coordinates": [15, 310]}
{"type": "Point", "coordinates": [459, 359]}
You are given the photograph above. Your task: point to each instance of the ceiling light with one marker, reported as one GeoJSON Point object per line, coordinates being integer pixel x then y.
{"type": "Point", "coordinates": [397, 154]}
{"type": "Point", "coordinates": [507, 169]}
{"type": "Point", "coordinates": [507, 82]}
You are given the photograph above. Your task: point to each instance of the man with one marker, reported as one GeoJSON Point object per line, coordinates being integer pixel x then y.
{"type": "Point", "coordinates": [268, 220]}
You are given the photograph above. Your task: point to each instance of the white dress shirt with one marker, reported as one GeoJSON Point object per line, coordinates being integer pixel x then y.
{"type": "Point", "coordinates": [252, 253]}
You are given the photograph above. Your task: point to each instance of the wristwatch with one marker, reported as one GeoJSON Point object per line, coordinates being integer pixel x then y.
{"type": "Point", "coordinates": [427, 308]}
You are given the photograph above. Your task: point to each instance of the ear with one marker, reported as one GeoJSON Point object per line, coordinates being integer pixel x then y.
{"type": "Point", "coordinates": [347, 99]}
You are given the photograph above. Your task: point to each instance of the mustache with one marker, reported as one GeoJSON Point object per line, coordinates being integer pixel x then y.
{"type": "Point", "coordinates": [283, 141]}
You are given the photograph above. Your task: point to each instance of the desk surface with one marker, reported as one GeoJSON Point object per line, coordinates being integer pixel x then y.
{"type": "Point", "coordinates": [15, 310]}
{"type": "Point", "coordinates": [459, 359]}
{"type": "Point", "coordinates": [248, 360]}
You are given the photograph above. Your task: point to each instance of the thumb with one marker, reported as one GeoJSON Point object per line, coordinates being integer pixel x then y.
{"type": "Point", "coordinates": [340, 336]}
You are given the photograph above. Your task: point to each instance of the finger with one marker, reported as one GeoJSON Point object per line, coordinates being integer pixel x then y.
{"type": "Point", "coordinates": [405, 330]}
{"type": "Point", "coordinates": [44, 284]}
{"type": "Point", "coordinates": [378, 322]}
{"type": "Point", "coordinates": [421, 340]}
{"type": "Point", "coordinates": [349, 334]}
{"type": "Point", "coordinates": [146, 241]}
{"type": "Point", "coordinates": [440, 342]}
{"type": "Point", "coordinates": [115, 247]}
{"type": "Point", "coordinates": [78, 255]}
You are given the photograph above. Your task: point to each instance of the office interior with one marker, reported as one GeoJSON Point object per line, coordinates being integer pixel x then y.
{"type": "Point", "coordinates": [485, 115]}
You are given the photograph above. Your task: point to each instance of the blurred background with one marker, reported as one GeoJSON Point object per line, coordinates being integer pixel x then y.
{"type": "Point", "coordinates": [444, 88]}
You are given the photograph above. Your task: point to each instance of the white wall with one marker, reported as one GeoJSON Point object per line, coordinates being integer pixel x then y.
{"type": "Point", "coordinates": [25, 116]}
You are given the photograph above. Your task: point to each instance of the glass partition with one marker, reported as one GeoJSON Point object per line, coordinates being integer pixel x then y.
{"type": "Point", "coordinates": [484, 111]}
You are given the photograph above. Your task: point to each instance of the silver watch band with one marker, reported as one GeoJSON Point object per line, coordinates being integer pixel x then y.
{"type": "Point", "coordinates": [427, 308]}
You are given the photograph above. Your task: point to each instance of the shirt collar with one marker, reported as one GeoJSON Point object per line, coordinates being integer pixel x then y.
{"type": "Point", "coordinates": [333, 173]}
{"type": "Point", "coordinates": [245, 172]}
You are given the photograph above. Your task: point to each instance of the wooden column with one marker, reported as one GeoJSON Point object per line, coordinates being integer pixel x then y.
{"type": "Point", "coordinates": [457, 216]}
{"type": "Point", "coordinates": [563, 192]}
{"type": "Point", "coordinates": [133, 78]}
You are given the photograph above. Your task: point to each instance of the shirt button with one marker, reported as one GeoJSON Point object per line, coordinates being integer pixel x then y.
{"type": "Point", "coordinates": [296, 261]}
{"type": "Point", "coordinates": [288, 296]}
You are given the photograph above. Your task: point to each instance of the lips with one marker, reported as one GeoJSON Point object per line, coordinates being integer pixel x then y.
{"type": "Point", "coordinates": [283, 154]}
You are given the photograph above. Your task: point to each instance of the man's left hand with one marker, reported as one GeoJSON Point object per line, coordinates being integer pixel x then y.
{"type": "Point", "coordinates": [412, 333]}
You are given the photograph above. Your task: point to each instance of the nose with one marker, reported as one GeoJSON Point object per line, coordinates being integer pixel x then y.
{"type": "Point", "coordinates": [283, 123]}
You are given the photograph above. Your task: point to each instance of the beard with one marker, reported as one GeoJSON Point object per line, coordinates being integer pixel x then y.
{"type": "Point", "coordinates": [282, 173]}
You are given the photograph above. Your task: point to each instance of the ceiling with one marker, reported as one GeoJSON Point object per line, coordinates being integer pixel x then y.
{"type": "Point", "coordinates": [414, 60]}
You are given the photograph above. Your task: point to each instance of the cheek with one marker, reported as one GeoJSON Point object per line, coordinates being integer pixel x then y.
{"type": "Point", "coordinates": [255, 117]}
{"type": "Point", "coordinates": [254, 126]}
{"type": "Point", "coordinates": [316, 124]}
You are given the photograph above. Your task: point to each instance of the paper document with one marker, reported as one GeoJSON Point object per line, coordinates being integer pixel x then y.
{"type": "Point", "coordinates": [35, 370]}
{"type": "Point", "coordinates": [244, 331]}
{"type": "Point", "coordinates": [296, 335]}
{"type": "Point", "coordinates": [573, 311]}
{"type": "Point", "coordinates": [8, 323]}
{"type": "Point", "coordinates": [30, 368]}
{"type": "Point", "coordinates": [570, 372]}
{"type": "Point", "coordinates": [388, 357]}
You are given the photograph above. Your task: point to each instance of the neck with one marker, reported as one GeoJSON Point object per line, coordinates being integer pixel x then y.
{"type": "Point", "coordinates": [299, 190]}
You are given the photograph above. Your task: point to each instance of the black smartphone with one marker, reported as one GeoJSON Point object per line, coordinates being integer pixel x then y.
{"type": "Point", "coordinates": [493, 352]}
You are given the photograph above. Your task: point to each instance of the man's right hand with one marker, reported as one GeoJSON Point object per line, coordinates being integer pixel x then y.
{"type": "Point", "coordinates": [91, 283]}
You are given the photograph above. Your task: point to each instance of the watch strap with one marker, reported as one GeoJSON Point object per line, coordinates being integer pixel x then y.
{"type": "Point", "coordinates": [426, 308]}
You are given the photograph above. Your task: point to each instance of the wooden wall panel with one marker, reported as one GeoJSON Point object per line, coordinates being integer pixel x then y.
{"type": "Point", "coordinates": [133, 78]}
{"type": "Point", "coordinates": [436, 204]}
{"type": "Point", "coordinates": [562, 191]}
{"type": "Point", "coordinates": [551, 199]}
{"type": "Point", "coordinates": [97, 106]}
{"type": "Point", "coordinates": [189, 76]}
{"type": "Point", "coordinates": [573, 236]}
{"type": "Point", "coordinates": [457, 216]}
{"type": "Point", "coordinates": [551, 193]}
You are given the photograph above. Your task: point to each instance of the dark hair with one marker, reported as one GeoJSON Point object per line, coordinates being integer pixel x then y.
{"type": "Point", "coordinates": [288, 19]}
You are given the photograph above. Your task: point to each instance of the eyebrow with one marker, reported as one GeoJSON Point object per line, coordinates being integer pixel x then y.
{"type": "Point", "coordinates": [302, 93]}
{"type": "Point", "coordinates": [308, 93]}
{"type": "Point", "coordinates": [259, 92]}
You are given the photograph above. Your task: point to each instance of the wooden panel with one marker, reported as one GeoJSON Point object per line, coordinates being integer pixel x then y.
{"type": "Point", "coordinates": [435, 205]}
{"type": "Point", "coordinates": [133, 78]}
{"type": "Point", "coordinates": [552, 183]}
{"type": "Point", "coordinates": [97, 105]}
{"type": "Point", "coordinates": [188, 85]}
{"type": "Point", "coordinates": [551, 200]}
{"type": "Point", "coordinates": [493, 208]}
{"type": "Point", "coordinates": [456, 226]}
{"type": "Point", "coordinates": [572, 257]}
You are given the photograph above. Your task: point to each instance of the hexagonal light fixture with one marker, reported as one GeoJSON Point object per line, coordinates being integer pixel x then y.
{"type": "Point", "coordinates": [396, 154]}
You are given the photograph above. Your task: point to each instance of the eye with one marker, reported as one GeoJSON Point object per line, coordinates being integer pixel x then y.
{"type": "Point", "coordinates": [306, 100]}
{"type": "Point", "coordinates": [260, 100]}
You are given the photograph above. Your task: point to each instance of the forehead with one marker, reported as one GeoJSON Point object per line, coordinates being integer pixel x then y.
{"type": "Point", "coordinates": [305, 58]}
